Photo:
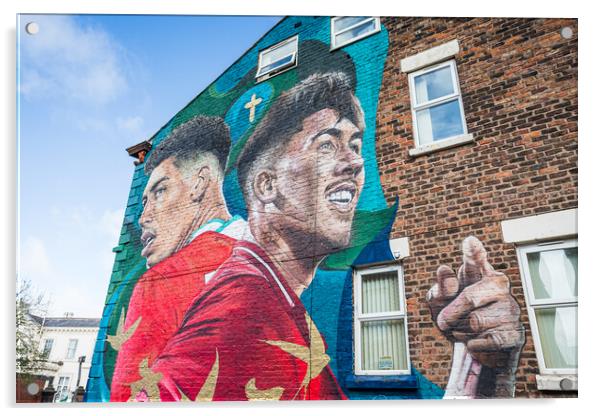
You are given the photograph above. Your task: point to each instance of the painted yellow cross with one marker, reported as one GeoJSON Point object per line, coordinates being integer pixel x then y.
{"type": "Point", "coordinates": [251, 107]}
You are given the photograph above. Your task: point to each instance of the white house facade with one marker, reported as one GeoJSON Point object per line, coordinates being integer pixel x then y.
{"type": "Point", "coordinates": [65, 342]}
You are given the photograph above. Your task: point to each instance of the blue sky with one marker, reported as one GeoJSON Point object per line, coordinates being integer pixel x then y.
{"type": "Point", "coordinates": [90, 86]}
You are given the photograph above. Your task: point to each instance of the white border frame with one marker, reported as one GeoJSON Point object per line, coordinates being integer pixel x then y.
{"type": "Point", "coordinates": [441, 100]}
{"type": "Point", "coordinates": [279, 70]}
{"type": "Point", "coordinates": [533, 304]}
{"type": "Point", "coordinates": [358, 318]}
{"type": "Point", "coordinates": [365, 35]}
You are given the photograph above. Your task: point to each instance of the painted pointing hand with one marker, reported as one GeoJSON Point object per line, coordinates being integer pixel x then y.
{"type": "Point", "coordinates": [475, 307]}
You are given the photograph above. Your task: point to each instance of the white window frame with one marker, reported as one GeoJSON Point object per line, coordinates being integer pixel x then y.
{"type": "Point", "coordinates": [44, 343]}
{"type": "Point", "coordinates": [333, 33]}
{"type": "Point", "coordinates": [359, 317]}
{"type": "Point", "coordinates": [278, 70]}
{"type": "Point", "coordinates": [533, 304]}
{"type": "Point", "coordinates": [60, 388]}
{"type": "Point", "coordinates": [67, 355]}
{"type": "Point", "coordinates": [457, 94]}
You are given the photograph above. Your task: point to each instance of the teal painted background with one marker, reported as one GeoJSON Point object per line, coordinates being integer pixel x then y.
{"type": "Point", "coordinates": [329, 297]}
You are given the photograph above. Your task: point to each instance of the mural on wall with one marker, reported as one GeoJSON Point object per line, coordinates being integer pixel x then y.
{"type": "Point", "coordinates": [234, 271]}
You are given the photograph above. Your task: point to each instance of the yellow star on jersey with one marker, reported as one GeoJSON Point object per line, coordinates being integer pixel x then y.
{"type": "Point", "coordinates": [314, 356]}
{"type": "Point", "coordinates": [148, 383]}
{"type": "Point", "coordinates": [121, 336]}
{"type": "Point", "coordinates": [208, 389]}
{"type": "Point", "coordinates": [254, 394]}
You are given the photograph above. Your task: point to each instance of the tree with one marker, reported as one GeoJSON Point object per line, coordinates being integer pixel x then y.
{"type": "Point", "coordinates": [30, 359]}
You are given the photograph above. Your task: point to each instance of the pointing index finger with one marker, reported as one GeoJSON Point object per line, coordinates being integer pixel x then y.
{"type": "Point", "coordinates": [475, 264]}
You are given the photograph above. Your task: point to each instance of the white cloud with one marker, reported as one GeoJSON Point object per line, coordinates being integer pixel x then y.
{"type": "Point", "coordinates": [73, 262]}
{"type": "Point", "coordinates": [80, 62]}
{"type": "Point", "coordinates": [110, 222]}
{"type": "Point", "coordinates": [34, 259]}
{"type": "Point", "coordinates": [87, 124]}
{"type": "Point", "coordinates": [81, 301]}
{"type": "Point", "coordinates": [133, 123]}
{"type": "Point", "coordinates": [33, 83]}
{"type": "Point", "coordinates": [106, 224]}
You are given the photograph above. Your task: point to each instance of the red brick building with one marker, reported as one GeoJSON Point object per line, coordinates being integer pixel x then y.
{"type": "Point", "coordinates": [518, 84]}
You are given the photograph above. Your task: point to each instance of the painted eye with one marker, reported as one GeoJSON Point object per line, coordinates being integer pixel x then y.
{"type": "Point", "coordinates": [356, 148]}
{"type": "Point", "coordinates": [326, 147]}
{"type": "Point", "coordinates": [159, 192]}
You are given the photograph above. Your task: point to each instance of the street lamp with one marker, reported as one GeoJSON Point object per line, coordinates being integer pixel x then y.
{"type": "Point", "coordinates": [80, 360]}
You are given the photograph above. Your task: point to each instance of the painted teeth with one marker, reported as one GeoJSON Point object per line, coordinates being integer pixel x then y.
{"type": "Point", "coordinates": [340, 196]}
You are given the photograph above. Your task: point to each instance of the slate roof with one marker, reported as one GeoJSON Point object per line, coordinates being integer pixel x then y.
{"type": "Point", "coordinates": [62, 322]}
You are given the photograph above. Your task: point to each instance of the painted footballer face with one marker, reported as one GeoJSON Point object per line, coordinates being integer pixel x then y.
{"type": "Point", "coordinates": [168, 212]}
{"type": "Point", "coordinates": [320, 177]}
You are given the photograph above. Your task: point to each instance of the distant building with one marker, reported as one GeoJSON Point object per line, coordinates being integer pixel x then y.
{"type": "Point", "coordinates": [64, 341]}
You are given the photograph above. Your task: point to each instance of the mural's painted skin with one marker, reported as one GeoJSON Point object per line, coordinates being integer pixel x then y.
{"type": "Point", "coordinates": [303, 153]}
{"type": "Point", "coordinates": [475, 310]}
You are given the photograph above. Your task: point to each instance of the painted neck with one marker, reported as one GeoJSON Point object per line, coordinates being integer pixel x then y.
{"type": "Point", "coordinates": [206, 214]}
{"type": "Point", "coordinates": [210, 208]}
{"type": "Point", "coordinates": [296, 263]}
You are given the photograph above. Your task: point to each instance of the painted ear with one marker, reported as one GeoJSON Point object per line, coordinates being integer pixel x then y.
{"type": "Point", "coordinates": [202, 181]}
{"type": "Point", "coordinates": [264, 186]}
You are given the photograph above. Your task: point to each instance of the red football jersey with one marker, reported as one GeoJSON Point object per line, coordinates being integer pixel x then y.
{"type": "Point", "coordinates": [247, 336]}
{"type": "Point", "coordinates": [157, 306]}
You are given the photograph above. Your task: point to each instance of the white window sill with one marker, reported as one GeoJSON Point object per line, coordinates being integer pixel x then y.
{"type": "Point", "coordinates": [557, 382]}
{"type": "Point", "coordinates": [444, 144]}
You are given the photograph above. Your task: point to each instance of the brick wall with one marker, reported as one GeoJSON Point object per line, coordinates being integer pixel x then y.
{"type": "Point", "coordinates": [518, 79]}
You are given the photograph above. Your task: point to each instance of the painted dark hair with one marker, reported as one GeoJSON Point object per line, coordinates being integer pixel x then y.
{"type": "Point", "coordinates": [331, 90]}
{"type": "Point", "coordinates": [201, 134]}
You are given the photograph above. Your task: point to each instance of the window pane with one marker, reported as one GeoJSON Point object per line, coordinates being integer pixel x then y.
{"type": "Point", "coordinates": [433, 85]}
{"type": "Point", "coordinates": [383, 345]}
{"type": "Point", "coordinates": [356, 32]}
{"type": "Point", "coordinates": [71, 348]}
{"type": "Point", "coordinates": [282, 62]}
{"type": "Point", "coordinates": [554, 273]}
{"type": "Point", "coordinates": [439, 122]}
{"type": "Point", "coordinates": [63, 381]}
{"type": "Point", "coordinates": [558, 335]}
{"type": "Point", "coordinates": [62, 390]}
{"type": "Point", "coordinates": [279, 52]}
{"type": "Point", "coordinates": [281, 56]}
{"type": "Point", "coordinates": [380, 292]}
{"type": "Point", "coordinates": [47, 347]}
{"type": "Point", "coordinates": [345, 22]}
